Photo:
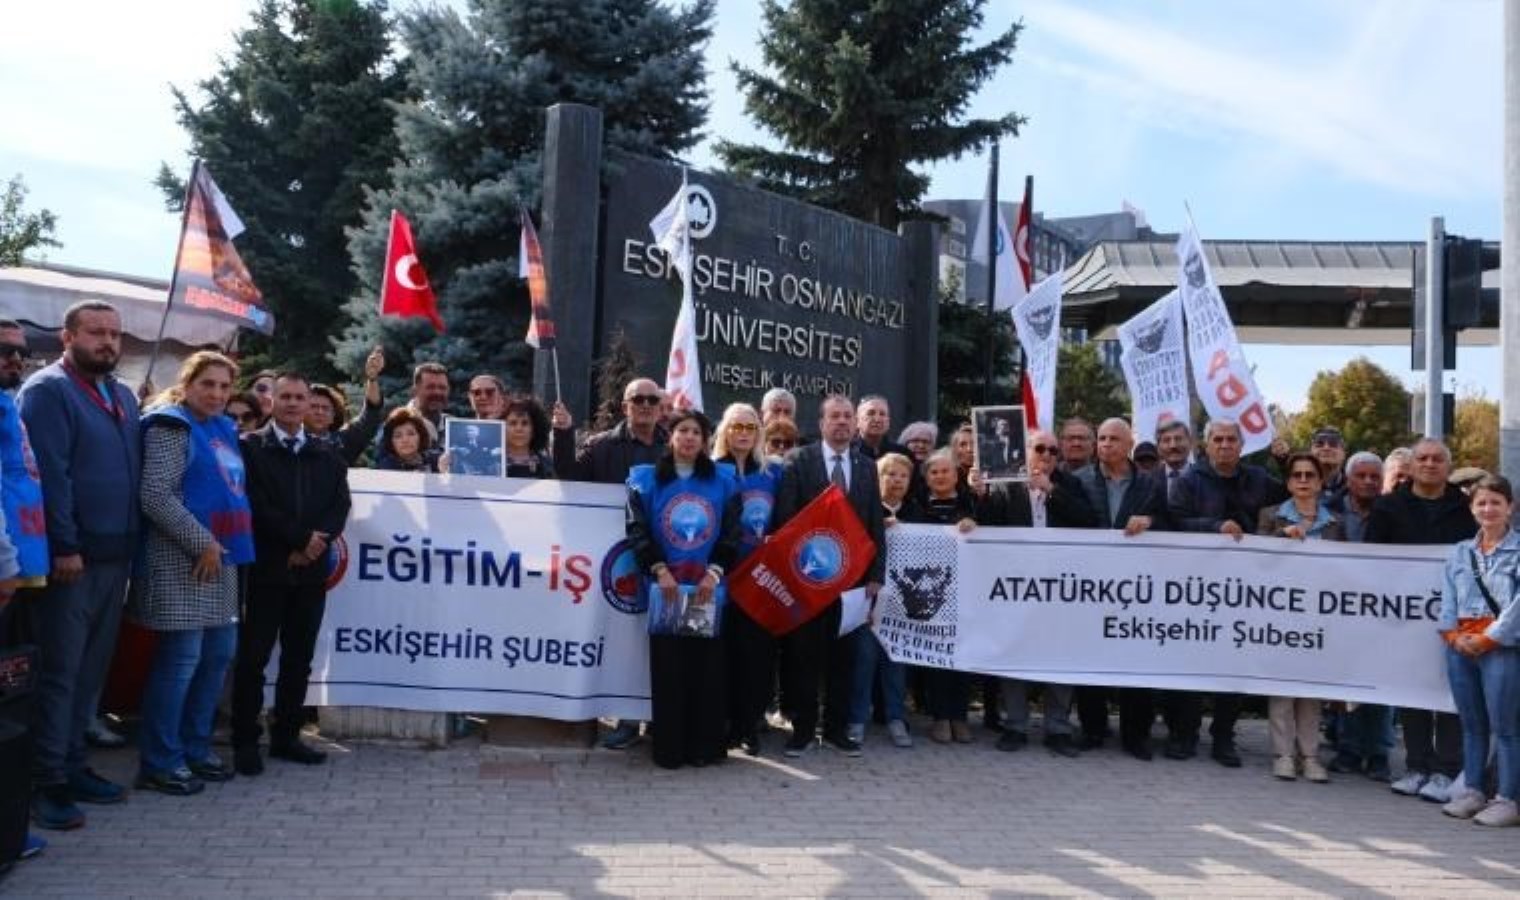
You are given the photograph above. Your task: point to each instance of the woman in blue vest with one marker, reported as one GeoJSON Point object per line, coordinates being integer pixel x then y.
{"type": "Point", "coordinates": [201, 530]}
{"type": "Point", "coordinates": [751, 649]}
{"type": "Point", "coordinates": [684, 528]}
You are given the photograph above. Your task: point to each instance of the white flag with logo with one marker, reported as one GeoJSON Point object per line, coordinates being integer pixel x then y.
{"type": "Point", "coordinates": [1009, 285]}
{"type": "Point", "coordinates": [1155, 365]}
{"type": "Point", "coordinates": [1224, 381]}
{"type": "Point", "coordinates": [1037, 319]}
{"type": "Point", "coordinates": [672, 233]}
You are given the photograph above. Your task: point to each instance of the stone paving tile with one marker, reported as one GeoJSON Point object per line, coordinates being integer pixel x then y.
{"type": "Point", "coordinates": [471, 821]}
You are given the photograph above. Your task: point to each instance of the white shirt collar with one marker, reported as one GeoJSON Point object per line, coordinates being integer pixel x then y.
{"type": "Point", "coordinates": [280, 433]}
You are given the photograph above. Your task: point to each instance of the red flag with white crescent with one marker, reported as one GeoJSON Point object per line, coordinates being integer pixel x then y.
{"type": "Point", "coordinates": [405, 291]}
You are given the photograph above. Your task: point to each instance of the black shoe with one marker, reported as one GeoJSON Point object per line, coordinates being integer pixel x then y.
{"type": "Point", "coordinates": [843, 743]}
{"type": "Point", "coordinates": [53, 808]}
{"type": "Point", "coordinates": [1180, 749]}
{"type": "Point", "coordinates": [1090, 742]}
{"type": "Point", "coordinates": [1346, 764]}
{"type": "Point", "coordinates": [750, 743]}
{"type": "Point", "coordinates": [211, 769]}
{"type": "Point", "coordinates": [1011, 740]}
{"type": "Point", "coordinates": [297, 752]}
{"type": "Point", "coordinates": [1226, 755]}
{"type": "Point", "coordinates": [86, 786]}
{"type": "Point", "coordinates": [179, 782]}
{"type": "Point", "coordinates": [248, 761]}
{"type": "Point", "coordinates": [1062, 745]}
{"type": "Point", "coordinates": [1140, 750]}
{"type": "Point", "coordinates": [797, 747]}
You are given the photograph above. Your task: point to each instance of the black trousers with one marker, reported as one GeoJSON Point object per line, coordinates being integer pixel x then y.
{"type": "Point", "coordinates": [687, 697]}
{"type": "Point", "coordinates": [1183, 711]}
{"type": "Point", "coordinates": [949, 694]}
{"type": "Point", "coordinates": [751, 662]}
{"type": "Point", "coordinates": [292, 616]}
{"type": "Point", "coordinates": [1137, 710]}
{"type": "Point", "coordinates": [1432, 741]}
{"type": "Point", "coordinates": [812, 654]}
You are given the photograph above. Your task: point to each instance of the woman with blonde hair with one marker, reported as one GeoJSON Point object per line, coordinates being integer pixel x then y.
{"type": "Point", "coordinates": [751, 649]}
{"type": "Point", "coordinates": [200, 529]}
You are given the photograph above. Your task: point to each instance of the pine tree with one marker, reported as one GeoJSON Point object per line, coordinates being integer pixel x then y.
{"type": "Point", "coordinates": [863, 91]}
{"type": "Point", "coordinates": [20, 231]}
{"type": "Point", "coordinates": [470, 154]}
{"type": "Point", "coordinates": [294, 126]}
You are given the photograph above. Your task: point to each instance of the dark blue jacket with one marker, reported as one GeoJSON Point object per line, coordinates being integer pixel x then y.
{"type": "Point", "coordinates": [90, 461]}
{"type": "Point", "coordinates": [1203, 500]}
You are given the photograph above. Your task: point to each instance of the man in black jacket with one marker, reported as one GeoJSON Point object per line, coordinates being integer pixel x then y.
{"type": "Point", "coordinates": [1129, 500]}
{"type": "Point", "coordinates": [1426, 511]}
{"type": "Point", "coordinates": [298, 490]}
{"type": "Point", "coordinates": [817, 646]}
{"type": "Point", "coordinates": [1219, 494]}
{"type": "Point", "coordinates": [605, 458]}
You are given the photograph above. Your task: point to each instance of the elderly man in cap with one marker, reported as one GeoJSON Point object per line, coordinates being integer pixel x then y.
{"type": "Point", "coordinates": [1146, 457]}
{"type": "Point", "coordinates": [1328, 446]}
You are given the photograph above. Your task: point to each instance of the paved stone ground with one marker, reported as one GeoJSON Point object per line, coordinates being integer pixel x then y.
{"type": "Point", "coordinates": [471, 821]}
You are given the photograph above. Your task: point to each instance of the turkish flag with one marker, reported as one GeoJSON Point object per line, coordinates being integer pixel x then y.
{"type": "Point", "coordinates": [804, 566]}
{"type": "Point", "coordinates": [405, 291]}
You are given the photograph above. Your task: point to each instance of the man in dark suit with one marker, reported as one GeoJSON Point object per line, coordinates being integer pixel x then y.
{"type": "Point", "coordinates": [816, 647]}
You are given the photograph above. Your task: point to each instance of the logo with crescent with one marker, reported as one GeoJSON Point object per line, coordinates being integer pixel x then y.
{"type": "Point", "coordinates": [409, 274]}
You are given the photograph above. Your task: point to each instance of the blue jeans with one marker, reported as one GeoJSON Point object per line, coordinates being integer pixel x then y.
{"type": "Point", "coordinates": [1366, 733]}
{"type": "Point", "coordinates": [873, 665]}
{"type": "Point", "coordinates": [179, 700]}
{"type": "Point", "coordinates": [1486, 692]}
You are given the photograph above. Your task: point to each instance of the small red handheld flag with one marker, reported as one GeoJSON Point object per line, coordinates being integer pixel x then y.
{"type": "Point", "coordinates": [530, 268]}
{"type": "Point", "coordinates": [804, 566]}
{"type": "Point", "coordinates": [406, 291]}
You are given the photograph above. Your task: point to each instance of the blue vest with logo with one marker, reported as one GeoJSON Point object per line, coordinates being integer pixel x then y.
{"type": "Point", "coordinates": [686, 516]}
{"type": "Point", "coordinates": [21, 487]}
{"type": "Point", "coordinates": [215, 483]}
{"type": "Point", "coordinates": [757, 493]}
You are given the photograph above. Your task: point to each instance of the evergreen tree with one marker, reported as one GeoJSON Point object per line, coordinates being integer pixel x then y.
{"type": "Point", "coordinates": [1087, 388]}
{"type": "Point", "coordinates": [963, 357]}
{"type": "Point", "coordinates": [294, 126]}
{"type": "Point", "coordinates": [470, 152]}
{"type": "Point", "coordinates": [21, 231]}
{"type": "Point", "coordinates": [862, 91]}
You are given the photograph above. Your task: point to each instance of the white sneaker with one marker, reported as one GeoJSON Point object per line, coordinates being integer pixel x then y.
{"type": "Point", "coordinates": [898, 729]}
{"type": "Point", "coordinates": [1499, 813]}
{"type": "Point", "coordinates": [1410, 784]}
{"type": "Point", "coordinates": [1283, 767]}
{"type": "Point", "coordinates": [1314, 771]}
{"type": "Point", "coordinates": [1465, 804]}
{"type": "Point", "coordinates": [1437, 789]}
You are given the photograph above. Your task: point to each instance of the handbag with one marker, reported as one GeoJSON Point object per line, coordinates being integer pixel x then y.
{"type": "Point", "coordinates": [1480, 624]}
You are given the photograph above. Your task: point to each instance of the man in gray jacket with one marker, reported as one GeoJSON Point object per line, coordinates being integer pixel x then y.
{"type": "Point", "coordinates": [83, 429]}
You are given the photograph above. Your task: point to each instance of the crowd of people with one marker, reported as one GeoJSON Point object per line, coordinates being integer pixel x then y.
{"type": "Point", "coordinates": [204, 513]}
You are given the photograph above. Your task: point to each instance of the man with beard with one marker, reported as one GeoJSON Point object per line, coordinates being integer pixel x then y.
{"type": "Point", "coordinates": [83, 428]}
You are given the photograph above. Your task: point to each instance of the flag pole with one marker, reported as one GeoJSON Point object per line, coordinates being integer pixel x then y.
{"type": "Point", "coordinates": [554, 356]}
{"type": "Point", "coordinates": [390, 235]}
{"type": "Point", "coordinates": [993, 229]}
{"type": "Point", "coordinates": [179, 249]}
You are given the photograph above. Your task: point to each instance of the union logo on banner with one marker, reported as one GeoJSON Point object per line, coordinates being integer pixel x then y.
{"type": "Point", "coordinates": [821, 559]}
{"type": "Point", "coordinates": [337, 561]}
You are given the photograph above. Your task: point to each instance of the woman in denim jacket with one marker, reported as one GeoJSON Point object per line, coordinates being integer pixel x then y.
{"type": "Point", "coordinates": [1480, 620]}
{"type": "Point", "coordinates": [1295, 720]}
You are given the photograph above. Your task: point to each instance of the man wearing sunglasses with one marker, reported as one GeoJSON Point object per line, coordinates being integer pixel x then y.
{"type": "Point", "coordinates": [605, 458]}
{"type": "Point", "coordinates": [83, 428]}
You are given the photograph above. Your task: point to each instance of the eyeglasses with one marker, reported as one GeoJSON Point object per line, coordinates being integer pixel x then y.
{"type": "Point", "coordinates": [262, 387]}
{"type": "Point", "coordinates": [743, 427]}
{"type": "Point", "coordinates": [1327, 442]}
{"type": "Point", "coordinates": [643, 399]}
{"type": "Point", "coordinates": [1304, 475]}
{"type": "Point", "coordinates": [19, 351]}
{"type": "Point", "coordinates": [780, 444]}
{"type": "Point", "coordinates": [1045, 449]}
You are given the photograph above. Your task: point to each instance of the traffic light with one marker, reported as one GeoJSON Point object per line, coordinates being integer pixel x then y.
{"type": "Point", "coordinates": [1466, 261]}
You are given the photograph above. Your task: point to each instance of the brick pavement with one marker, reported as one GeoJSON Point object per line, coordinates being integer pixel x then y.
{"type": "Point", "coordinates": [472, 821]}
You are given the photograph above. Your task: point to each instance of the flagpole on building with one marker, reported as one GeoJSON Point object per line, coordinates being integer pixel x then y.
{"type": "Point", "coordinates": [179, 249]}
{"type": "Point", "coordinates": [993, 233]}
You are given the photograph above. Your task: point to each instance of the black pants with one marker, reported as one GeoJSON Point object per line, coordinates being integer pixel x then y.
{"type": "Point", "coordinates": [949, 695]}
{"type": "Point", "coordinates": [812, 654]}
{"type": "Point", "coordinates": [1092, 710]}
{"type": "Point", "coordinates": [1432, 742]}
{"type": "Point", "coordinates": [1183, 711]}
{"type": "Point", "coordinates": [751, 657]}
{"type": "Point", "coordinates": [687, 696]}
{"type": "Point", "coordinates": [1137, 710]}
{"type": "Point", "coordinates": [292, 616]}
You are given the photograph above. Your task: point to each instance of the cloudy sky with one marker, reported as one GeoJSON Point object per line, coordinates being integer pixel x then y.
{"type": "Point", "coordinates": [1289, 119]}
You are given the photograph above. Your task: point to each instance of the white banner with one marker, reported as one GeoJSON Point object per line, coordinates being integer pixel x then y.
{"type": "Point", "coordinates": [468, 594]}
{"type": "Point", "coordinates": [1155, 365]}
{"type": "Point", "coordinates": [1009, 283]}
{"type": "Point", "coordinates": [1197, 612]}
{"type": "Point", "coordinates": [1224, 380]}
{"type": "Point", "coordinates": [1037, 318]}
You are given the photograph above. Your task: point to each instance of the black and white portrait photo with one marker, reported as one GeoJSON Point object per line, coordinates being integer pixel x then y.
{"type": "Point", "coordinates": [475, 446]}
{"type": "Point", "coordinates": [999, 432]}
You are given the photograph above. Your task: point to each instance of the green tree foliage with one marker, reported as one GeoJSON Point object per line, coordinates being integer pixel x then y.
{"type": "Point", "coordinates": [21, 231]}
{"type": "Point", "coordinates": [471, 143]}
{"type": "Point", "coordinates": [1475, 433]}
{"type": "Point", "coordinates": [1087, 388]}
{"type": "Point", "coordinates": [1365, 401]}
{"type": "Point", "coordinates": [293, 127]}
{"type": "Point", "coordinates": [858, 92]}
{"type": "Point", "coordinates": [963, 361]}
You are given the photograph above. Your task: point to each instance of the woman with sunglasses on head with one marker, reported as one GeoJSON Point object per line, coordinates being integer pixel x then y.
{"type": "Point", "coordinates": [1304, 515]}
{"type": "Point", "coordinates": [684, 527]}
{"type": "Point", "coordinates": [1480, 621]}
{"type": "Point", "coordinates": [751, 649]}
{"type": "Point", "coordinates": [200, 531]}
{"type": "Point", "coordinates": [327, 417]}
